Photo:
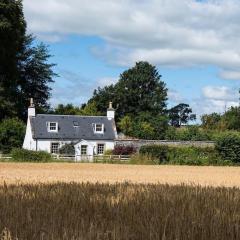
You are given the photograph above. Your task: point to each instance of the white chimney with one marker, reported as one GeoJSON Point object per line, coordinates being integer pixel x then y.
{"type": "Point", "coordinates": [110, 112]}
{"type": "Point", "coordinates": [31, 109]}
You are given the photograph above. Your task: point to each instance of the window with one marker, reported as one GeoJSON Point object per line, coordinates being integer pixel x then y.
{"type": "Point", "coordinates": [99, 128]}
{"type": "Point", "coordinates": [100, 149]}
{"type": "Point", "coordinates": [52, 126]}
{"type": "Point", "coordinates": [55, 148]}
{"type": "Point", "coordinates": [83, 149]}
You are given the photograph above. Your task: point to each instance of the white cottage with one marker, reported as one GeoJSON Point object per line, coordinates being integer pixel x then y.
{"type": "Point", "coordinates": [92, 135]}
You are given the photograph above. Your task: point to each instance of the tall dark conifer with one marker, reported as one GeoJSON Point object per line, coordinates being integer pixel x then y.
{"type": "Point", "coordinates": [24, 68]}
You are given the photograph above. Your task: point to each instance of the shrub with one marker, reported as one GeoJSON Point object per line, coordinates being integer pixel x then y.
{"type": "Point", "coordinates": [12, 133]}
{"type": "Point", "coordinates": [190, 155]}
{"type": "Point", "coordinates": [124, 150]}
{"type": "Point", "coordinates": [67, 149]}
{"type": "Point", "coordinates": [158, 152]}
{"type": "Point", "coordinates": [23, 155]}
{"type": "Point", "coordinates": [108, 152]}
{"type": "Point", "coordinates": [183, 155]}
{"type": "Point", "coordinates": [228, 147]}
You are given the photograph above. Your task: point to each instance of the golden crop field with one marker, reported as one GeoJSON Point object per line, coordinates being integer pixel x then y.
{"type": "Point", "coordinates": [12, 173]}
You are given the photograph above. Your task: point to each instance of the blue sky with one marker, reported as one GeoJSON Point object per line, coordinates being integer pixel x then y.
{"type": "Point", "coordinates": [194, 44]}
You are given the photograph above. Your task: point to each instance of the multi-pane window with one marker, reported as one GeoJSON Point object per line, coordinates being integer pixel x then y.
{"type": "Point", "coordinates": [55, 148]}
{"type": "Point", "coordinates": [52, 126]}
{"type": "Point", "coordinates": [99, 128]}
{"type": "Point", "coordinates": [83, 149]}
{"type": "Point", "coordinates": [100, 149]}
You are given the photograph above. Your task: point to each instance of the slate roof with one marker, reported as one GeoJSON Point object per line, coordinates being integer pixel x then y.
{"type": "Point", "coordinates": [67, 130]}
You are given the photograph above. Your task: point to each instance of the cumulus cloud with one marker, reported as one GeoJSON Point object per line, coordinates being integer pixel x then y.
{"type": "Point", "coordinates": [164, 32]}
{"type": "Point", "coordinates": [105, 81]}
{"type": "Point", "coordinates": [233, 75]}
{"type": "Point", "coordinates": [221, 93]}
{"type": "Point", "coordinates": [215, 99]}
{"type": "Point", "coordinates": [174, 96]}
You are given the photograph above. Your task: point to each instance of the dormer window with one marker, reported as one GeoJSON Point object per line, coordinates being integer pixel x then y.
{"type": "Point", "coordinates": [52, 127]}
{"type": "Point", "coordinates": [99, 128]}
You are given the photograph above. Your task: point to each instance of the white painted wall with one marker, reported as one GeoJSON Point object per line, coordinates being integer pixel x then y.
{"type": "Point", "coordinates": [91, 149]}
{"type": "Point", "coordinates": [45, 144]}
{"type": "Point", "coordinates": [29, 143]}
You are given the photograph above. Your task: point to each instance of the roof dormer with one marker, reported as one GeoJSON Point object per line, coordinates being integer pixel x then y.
{"type": "Point", "coordinates": [52, 126]}
{"type": "Point", "coordinates": [98, 128]}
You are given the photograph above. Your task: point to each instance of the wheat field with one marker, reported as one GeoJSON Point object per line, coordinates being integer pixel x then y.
{"type": "Point", "coordinates": [12, 173]}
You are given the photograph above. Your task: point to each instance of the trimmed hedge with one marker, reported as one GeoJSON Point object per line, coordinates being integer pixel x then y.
{"type": "Point", "coordinates": [228, 147]}
{"type": "Point", "coordinates": [186, 155]}
{"type": "Point", "coordinates": [23, 155]}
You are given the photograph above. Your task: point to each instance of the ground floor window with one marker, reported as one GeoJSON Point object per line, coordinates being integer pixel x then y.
{"type": "Point", "coordinates": [55, 148]}
{"type": "Point", "coordinates": [83, 149]}
{"type": "Point", "coordinates": [100, 149]}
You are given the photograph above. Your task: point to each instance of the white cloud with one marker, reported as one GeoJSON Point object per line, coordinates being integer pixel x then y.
{"type": "Point", "coordinates": [164, 32]}
{"type": "Point", "coordinates": [220, 93]}
{"type": "Point", "coordinates": [174, 96]}
{"type": "Point", "coordinates": [102, 82]}
{"type": "Point", "coordinates": [233, 75]}
{"type": "Point", "coordinates": [215, 99]}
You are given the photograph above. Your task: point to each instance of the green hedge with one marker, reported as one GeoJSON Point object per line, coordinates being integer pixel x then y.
{"type": "Point", "coordinates": [183, 155]}
{"type": "Point", "coordinates": [228, 147]}
{"type": "Point", "coordinates": [23, 155]}
{"type": "Point", "coordinates": [158, 152]}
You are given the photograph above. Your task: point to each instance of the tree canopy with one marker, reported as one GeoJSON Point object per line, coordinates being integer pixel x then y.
{"type": "Point", "coordinates": [180, 114]}
{"type": "Point", "coordinates": [139, 89]}
{"type": "Point", "coordinates": [24, 68]}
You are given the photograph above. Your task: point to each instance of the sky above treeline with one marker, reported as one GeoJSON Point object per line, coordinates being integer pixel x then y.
{"type": "Point", "coordinates": [194, 44]}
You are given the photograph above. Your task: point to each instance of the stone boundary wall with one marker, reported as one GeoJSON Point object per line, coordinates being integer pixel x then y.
{"type": "Point", "coordinates": [138, 143]}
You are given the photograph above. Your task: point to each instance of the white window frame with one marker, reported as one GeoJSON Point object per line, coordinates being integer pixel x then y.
{"type": "Point", "coordinates": [84, 154]}
{"type": "Point", "coordinates": [51, 148]}
{"type": "Point", "coordinates": [52, 130]}
{"type": "Point", "coordinates": [102, 149]}
{"type": "Point", "coordinates": [96, 125]}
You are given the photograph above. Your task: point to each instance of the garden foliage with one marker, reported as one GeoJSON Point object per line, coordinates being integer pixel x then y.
{"type": "Point", "coordinates": [228, 147]}
{"type": "Point", "coordinates": [67, 149]}
{"type": "Point", "coordinates": [23, 155]}
{"type": "Point", "coordinates": [124, 150]}
{"type": "Point", "coordinates": [183, 155]}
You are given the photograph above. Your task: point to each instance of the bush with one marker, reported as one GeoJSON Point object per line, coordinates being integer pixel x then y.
{"type": "Point", "coordinates": [23, 155]}
{"type": "Point", "coordinates": [108, 152]}
{"type": "Point", "coordinates": [158, 152]}
{"type": "Point", "coordinates": [228, 147]}
{"type": "Point", "coordinates": [12, 133]}
{"type": "Point", "coordinates": [183, 155]}
{"type": "Point", "coordinates": [190, 155]}
{"type": "Point", "coordinates": [67, 149]}
{"type": "Point", "coordinates": [124, 150]}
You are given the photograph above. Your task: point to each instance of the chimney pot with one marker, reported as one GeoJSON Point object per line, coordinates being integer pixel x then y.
{"type": "Point", "coordinates": [31, 102]}
{"type": "Point", "coordinates": [110, 105]}
{"type": "Point", "coordinates": [110, 111]}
